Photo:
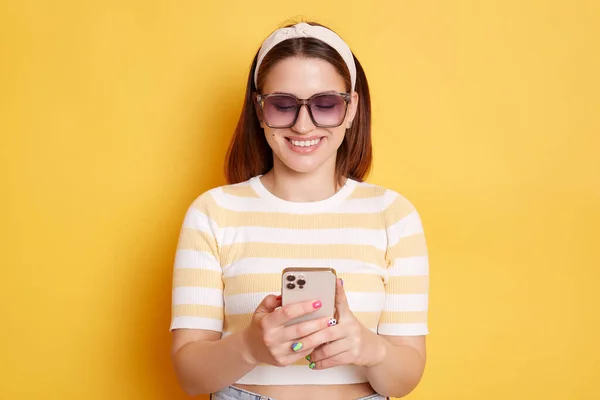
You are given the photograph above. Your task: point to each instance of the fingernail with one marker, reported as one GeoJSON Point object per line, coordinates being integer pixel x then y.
{"type": "Point", "coordinates": [317, 304]}
{"type": "Point", "coordinates": [342, 281]}
{"type": "Point", "coordinates": [312, 365]}
{"type": "Point", "coordinates": [297, 346]}
{"type": "Point", "coordinates": [278, 297]}
{"type": "Point", "coordinates": [308, 357]}
{"type": "Point", "coordinates": [331, 322]}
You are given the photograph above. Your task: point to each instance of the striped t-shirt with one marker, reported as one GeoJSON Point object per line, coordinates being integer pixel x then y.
{"type": "Point", "coordinates": [237, 239]}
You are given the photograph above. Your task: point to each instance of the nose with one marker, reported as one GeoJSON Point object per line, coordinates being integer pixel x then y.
{"type": "Point", "coordinates": [303, 124]}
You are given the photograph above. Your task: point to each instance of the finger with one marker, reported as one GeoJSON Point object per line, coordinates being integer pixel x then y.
{"type": "Point", "coordinates": [293, 356]}
{"type": "Point", "coordinates": [341, 301]}
{"type": "Point", "coordinates": [344, 358]}
{"type": "Point", "coordinates": [330, 350]}
{"type": "Point", "coordinates": [288, 312]}
{"type": "Point", "coordinates": [302, 329]}
{"type": "Point", "coordinates": [319, 337]}
{"type": "Point", "coordinates": [269, 304]}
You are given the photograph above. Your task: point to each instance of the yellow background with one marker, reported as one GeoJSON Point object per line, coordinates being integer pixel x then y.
{"type": "Point", "coordinates": [116, 114]}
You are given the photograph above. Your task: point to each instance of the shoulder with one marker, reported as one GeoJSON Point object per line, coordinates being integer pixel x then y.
{"type": "Point", "coordinates": [220, 196]}
{"type": "Point", "coordinates": [393, 204]}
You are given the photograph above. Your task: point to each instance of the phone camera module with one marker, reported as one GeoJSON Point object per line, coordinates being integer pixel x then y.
{"type": "Point", "coordinates": [291, 278]}
{"type": "Point", "coordinates": [291, 286]}
{"type": "Point", "coordinates": [301, 282]}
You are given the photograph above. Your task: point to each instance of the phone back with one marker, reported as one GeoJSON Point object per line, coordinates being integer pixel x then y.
{"type": "Point", "coordinates": [301, 284]}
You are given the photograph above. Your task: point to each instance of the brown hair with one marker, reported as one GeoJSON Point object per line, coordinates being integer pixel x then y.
{"type": "Point", "coordinates": [249, 153]}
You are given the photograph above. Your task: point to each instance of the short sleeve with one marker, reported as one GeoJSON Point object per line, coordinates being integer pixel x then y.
{"type": "Point", "coordinates": [197, 297]}
{"type": "Point", "coordinates": [407, 288]}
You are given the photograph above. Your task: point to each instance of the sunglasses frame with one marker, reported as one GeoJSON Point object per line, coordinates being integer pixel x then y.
{"type": "Point", "coordinates": [303, 102]}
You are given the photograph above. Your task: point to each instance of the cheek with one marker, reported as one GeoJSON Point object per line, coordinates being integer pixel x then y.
{"type": "Point", "coordinates": [339, 133]}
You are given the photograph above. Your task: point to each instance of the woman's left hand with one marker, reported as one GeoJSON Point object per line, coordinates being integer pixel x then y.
{"type": "Point", "coordinates": [354, 344]}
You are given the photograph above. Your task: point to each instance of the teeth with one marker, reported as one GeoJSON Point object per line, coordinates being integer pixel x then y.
{"type": "Point", "coordinates": [305, 143]}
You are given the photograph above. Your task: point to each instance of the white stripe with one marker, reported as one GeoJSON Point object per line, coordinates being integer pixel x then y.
{"type": "Point", "coordinates": [403, 329]}
{"type": "Point", "coordinates": [410, 266]}
{"type": "Point", "coordinates": [368, 205]}
{"type": "Point", "coordinates": [246, 303]}
{"type": "Point", "coordinates": [197, 323]}
{"type": "Point", "coordinates": [257, 204]}
{"type": "Point", "coordinates": [196, 259]}
{"type": "Point", "coordinates": [198, 295]}
{"type": "Point", "coordinates": [351, 236]}
{"type": "Point", "coordinates": [365, 301]}
{"type": "Point", "coordinates": [196, 219]}
{"type": "Point", "coordinates": [276, 266]}
{"type": "Point", "coordinates": [228, 333]}
{"type": "Point", "coordinates": [406, 302]}
{"type": "Point", "coordinates": [299, 374]}
{"type": "Point", "coordinates": [407, 226]}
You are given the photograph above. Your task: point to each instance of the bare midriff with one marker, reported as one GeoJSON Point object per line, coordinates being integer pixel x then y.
{"type": "Point", "coordinates": [303, 392]}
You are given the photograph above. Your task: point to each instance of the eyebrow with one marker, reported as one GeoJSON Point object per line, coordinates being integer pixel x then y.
{"type": "Point", "coordinates": [291, 94]}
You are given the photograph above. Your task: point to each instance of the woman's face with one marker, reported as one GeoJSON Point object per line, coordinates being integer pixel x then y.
{"type": "Point", "coordinates": [306, 148]}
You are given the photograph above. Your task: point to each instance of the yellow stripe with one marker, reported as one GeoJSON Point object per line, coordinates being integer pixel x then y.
{"type": "Point", "coordinates": [238, 251]}
{"type": "Point", "coordinates": [271, 283]}
{"type": "Point", "coordinates": [197, 310]}
{"type": "Point", "coordinates": [191, 239]}
{"type": "Point", "coordinates": [399, 209]}
{"type": "Point", "coordinates": [367, 192]}
{"type": "Point", "coordinates": [409, 246]}
{"type": "Point", "coordinates": [368, 319]}
{"type": "Point", "coordinates": [418, 284]}
{"type": "Point", "coordinates": [301, 362]}
{"type": "Point", "coordinates": [230, 218]}
{"type": "Point", "coordinates": [238, 322]}
{"type": "Point", "coordinates": [403, 317]}
{"type": "Point", "coordinates": [197, 277]}
{"type": "Point", "coordinates": [240, 191]}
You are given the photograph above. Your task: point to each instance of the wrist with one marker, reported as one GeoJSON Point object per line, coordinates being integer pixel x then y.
{"type": "Point", "coordinates": [246, 348]}
{"type": "Point", "coordinates": [378, 349]}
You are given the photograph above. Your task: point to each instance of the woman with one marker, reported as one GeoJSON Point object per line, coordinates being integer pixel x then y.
{"type": "Point", "coordinates": [296, 198]}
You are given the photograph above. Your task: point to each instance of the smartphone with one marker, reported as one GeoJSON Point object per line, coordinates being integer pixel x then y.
{"type": "Point", "coordinates": [309, 283]}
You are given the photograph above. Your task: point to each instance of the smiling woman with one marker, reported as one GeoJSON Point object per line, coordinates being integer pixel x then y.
{"type": "Point", "coordinates": [297, 197]}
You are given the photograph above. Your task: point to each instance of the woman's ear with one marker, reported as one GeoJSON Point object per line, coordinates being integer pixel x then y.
{"type": "Point", "coordinates": [352, 109]}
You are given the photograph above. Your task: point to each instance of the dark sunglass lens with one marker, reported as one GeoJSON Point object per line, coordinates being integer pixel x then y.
{"type": "Point", "coordinates": [279, 110]}
{"type": "Point", "coordinates": [328, 109]}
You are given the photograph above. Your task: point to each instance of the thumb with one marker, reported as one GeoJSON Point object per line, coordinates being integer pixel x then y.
{"type": "Point", "coordinates": [269, 304]}
{"type": "Point", "coordinates": [341, 301]}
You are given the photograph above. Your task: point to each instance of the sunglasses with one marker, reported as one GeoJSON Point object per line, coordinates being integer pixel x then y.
{"type": "Point", "coordinates": [326, 110]}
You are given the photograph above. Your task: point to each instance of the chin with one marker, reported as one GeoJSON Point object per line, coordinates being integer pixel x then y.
{"type": "Point", "coordinates": [302, 167]}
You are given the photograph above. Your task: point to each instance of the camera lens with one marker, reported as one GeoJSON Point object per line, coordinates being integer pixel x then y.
{"type": "Point", "coordinates": [301, 282]}
{"type": "Point", "coordinates": [291, 286]}
{"type": "Point", "coordinates": [291, 278]}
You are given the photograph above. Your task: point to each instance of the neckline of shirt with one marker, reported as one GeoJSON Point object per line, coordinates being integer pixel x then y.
{"type": "Point", "coordinates": [302, 207]}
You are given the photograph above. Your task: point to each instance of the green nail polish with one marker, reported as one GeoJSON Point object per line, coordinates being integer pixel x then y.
{"type": "Point", "coordinates": [297, 346]}
{"type": "Point", "coordinates": [312, 365]}
{"type": "Point", "coordinates": [308, 357]}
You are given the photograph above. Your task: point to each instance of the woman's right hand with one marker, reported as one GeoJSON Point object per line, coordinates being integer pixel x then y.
{"type": "Point", "coordinates": [268, 341]}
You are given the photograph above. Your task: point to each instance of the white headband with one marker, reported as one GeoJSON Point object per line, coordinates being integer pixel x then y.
{"type": "Point", "coordinates": [303, 30]}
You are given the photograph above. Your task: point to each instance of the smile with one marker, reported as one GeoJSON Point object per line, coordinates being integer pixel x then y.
{"type": "Point", "coordinates": [306, 146]}
{"type": "Point", "coordinates": [304, 143]}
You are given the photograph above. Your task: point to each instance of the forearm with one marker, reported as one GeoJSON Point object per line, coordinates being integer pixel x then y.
{"type": "Point", "coordinates": [399, 371]}
{"type": "Point", "coordinates": [207, 366]}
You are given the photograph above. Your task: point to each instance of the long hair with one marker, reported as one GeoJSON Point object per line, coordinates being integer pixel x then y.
{"type": "Point", "coordinates": [249, 153]}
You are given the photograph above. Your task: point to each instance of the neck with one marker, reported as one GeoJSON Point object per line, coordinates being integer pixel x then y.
{"type": "Point", "coordinates": [300, 187]}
